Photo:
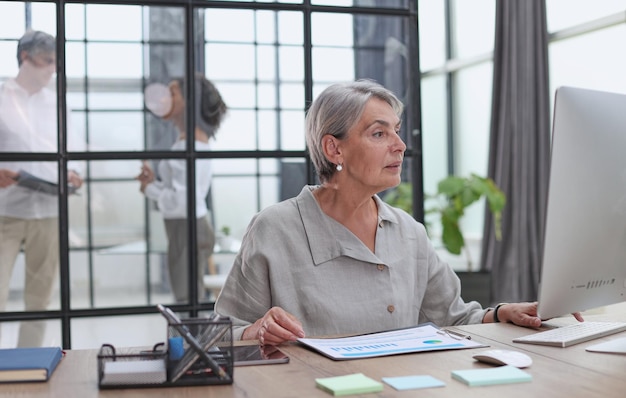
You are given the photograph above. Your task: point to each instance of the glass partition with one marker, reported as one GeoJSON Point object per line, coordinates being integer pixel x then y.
{"type": "Point", "coordinates": [180, 126]}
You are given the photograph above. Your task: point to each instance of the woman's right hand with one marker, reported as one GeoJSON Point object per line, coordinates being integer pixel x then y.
{"type": "Point", "coordinates": [146, 176]}
{"type": "Point", "coordinates": [275, 327]}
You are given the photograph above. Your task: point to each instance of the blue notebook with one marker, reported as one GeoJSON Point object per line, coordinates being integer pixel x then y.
{"type": "Point", "coordinates": [28, 364]}
{"type": "Point", "coordinates": [491, 376]}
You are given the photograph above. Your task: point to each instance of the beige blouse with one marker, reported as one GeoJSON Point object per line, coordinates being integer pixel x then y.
{"type": "Point", "coordinates": [296, 257]}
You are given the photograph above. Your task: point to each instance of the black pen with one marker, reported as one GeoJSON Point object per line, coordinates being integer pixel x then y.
{"type": "Point", "coordinates": [455, 335]}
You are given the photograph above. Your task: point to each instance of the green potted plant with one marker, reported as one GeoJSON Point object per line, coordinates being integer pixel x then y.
{"type": "Point", "coordinates": [454, 194]}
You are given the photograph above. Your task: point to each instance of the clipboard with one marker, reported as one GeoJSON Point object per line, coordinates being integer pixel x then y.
{"type": "Point", "coordinates": [27, 180]}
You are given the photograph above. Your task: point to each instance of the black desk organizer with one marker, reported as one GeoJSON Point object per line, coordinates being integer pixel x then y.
{"type": "Point", "coordinates": [214, 335]}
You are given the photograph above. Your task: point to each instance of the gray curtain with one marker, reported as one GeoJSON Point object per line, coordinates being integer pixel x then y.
{"type": "Point", "coordinates": [519, 152]}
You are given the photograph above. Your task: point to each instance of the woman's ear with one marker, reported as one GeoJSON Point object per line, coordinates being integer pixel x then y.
{"type": "Point", "coordinates": [330, 146]}
{"type": "Point", "coordinates": [23, 56]}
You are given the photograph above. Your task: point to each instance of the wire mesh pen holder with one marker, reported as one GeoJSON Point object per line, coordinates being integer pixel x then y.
{"type": "Point", "coordinates": [131, 367]}
{"type": "Point", "coordinates": [200, 351]}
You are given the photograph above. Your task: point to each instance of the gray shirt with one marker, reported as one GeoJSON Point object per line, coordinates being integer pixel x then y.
{"type": "Point", "coordinates": [296, 257]}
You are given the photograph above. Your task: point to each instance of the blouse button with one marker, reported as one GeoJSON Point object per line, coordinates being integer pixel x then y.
{"type": "Point", "coordinates": [380, 224]}
{"type": "Point", "coordinates": [381, 267]}
{"type": "Point", "coordinates": [391, 308]}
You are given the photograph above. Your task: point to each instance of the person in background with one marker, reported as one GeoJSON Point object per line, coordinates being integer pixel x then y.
{"type": "Point", "coordinates": [170, 191]}
{"type": "Point", "coordinates": [28, 217]}
{"type": "Point", "coordinates": [336, 259]}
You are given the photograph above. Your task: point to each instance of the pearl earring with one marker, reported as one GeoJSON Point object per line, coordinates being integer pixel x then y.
{"type": "Point", "coordinates": [339, 167]}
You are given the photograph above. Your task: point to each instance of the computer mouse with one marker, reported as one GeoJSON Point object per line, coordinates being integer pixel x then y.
{"type": "Point", "coordinates": [504, 357]}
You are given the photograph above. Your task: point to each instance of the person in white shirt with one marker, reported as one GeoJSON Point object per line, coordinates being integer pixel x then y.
{"type": "Point", "coordinates": [170, 190]}
{"type": "Point", "coordinates": [29, 218]}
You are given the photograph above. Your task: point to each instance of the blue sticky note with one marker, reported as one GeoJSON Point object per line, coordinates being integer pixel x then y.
{"type": "Point", "coordinates": [413, 382]}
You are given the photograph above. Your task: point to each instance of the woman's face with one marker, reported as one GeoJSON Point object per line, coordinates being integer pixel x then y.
{"type": "Point", "coordinates": [178, 101]}
{"type": "Point", "coordinates": [373, 151]}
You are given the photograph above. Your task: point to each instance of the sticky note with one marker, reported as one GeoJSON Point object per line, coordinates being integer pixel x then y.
{"type": "Point", "coordinates": [356, 383]}
{"type": "Point", "coordinates": [490, 376]}
{"type": "Point", "coordinates": [413, 382]}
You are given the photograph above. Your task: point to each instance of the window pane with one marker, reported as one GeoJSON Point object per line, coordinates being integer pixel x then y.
{"type": "Point", "coordinates": [115, 131]}
{"type": "Point", "coordinates": [239, 130]}
{"type": "Point", "coordinates": [562, 14]}
{"type": "Point", "coordinates": [12, 332]}
{"type": "Point", "coordinates": [291, 63]}
{"type": "Point", "coordinates": [139, 238]}
{"type": "Point", "coordinates": [76, 14]}
{"type": "Point", "coordinates": [12, 19]}
{"type": "Point", "coordinates": [100, 55]}
{"type": "Point", "coordinates": [583, 61]}
{"type": "Point", "coordinates": [221, 59]}
{"type": "Point", "coordinates": [292, 130]}
{"type": "Point", "coordinates": [126, 19]}
{"type": "Point", "coordinates": [432, 32]}
{"type": "Point", "coordinates": [237, 195]}
{"type": "Point", "coordinates": [333, 64]}
{"type": "Point", "coordinates": [473, 27]}
{"type": "Point", "coordinates": [266, 63]}
{"type": "Point", "coordinates": [340, 35]}
{"type": "Point", "coordinates": [290, 28]}
{"type": "Point", "coordinates": [364, 3]}
{"type": "Point", "coordinates": [43, 17]}
{"type": "Point", "coordinates": [120, 331]}
{"type": "Point", "coordinates": [434, 131]}
{"type": "Point", "coordinates": [219, 25]}
{"type": "Point", "coordinates": [471, 133]}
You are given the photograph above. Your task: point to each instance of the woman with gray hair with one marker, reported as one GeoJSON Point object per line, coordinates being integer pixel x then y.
{"type": "Point", "coordinates": [336, 259]}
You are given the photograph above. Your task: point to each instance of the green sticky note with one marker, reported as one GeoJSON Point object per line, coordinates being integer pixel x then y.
{"type": "Point", "coordinates": [491, 376]}
{"type": "Point", "coordinates": [356, 383]}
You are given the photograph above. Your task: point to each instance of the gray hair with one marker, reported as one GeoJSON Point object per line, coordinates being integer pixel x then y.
{"type": "Point", "coordinates": [335, 111]}
{"type": "Point", "coordinates": [35, 42]}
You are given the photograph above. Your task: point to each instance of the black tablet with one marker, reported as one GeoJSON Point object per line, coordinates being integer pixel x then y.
{"type": "Point", "coordinates": [258, 355]}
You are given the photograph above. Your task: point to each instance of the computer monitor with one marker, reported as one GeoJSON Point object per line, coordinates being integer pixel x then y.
{"type": "Point", "coordinates": [584, 253]}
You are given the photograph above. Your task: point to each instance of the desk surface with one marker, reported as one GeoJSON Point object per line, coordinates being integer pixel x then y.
{"type": "Point", "coordinates": [556, 372]}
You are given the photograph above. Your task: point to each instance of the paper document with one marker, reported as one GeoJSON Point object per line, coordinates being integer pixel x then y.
{"type": "Point", "coordinates": [425, 337]}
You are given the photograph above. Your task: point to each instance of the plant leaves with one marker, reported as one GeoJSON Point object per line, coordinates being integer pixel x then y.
{"type": "Point", "coordinates": [451, 185]}
{"type": "Point", "coordinates": [451, 235]}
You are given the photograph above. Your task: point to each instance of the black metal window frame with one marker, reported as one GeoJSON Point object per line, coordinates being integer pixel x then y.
{"type": "Point", "coordinates": [413, 125]}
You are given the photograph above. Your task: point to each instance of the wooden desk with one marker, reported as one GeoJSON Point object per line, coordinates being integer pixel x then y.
{"type": "Point", "coordinates": [557, 372]}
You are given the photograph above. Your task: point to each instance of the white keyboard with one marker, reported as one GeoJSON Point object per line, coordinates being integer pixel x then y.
{"type": "Point", "coordinates": [566, 336]}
